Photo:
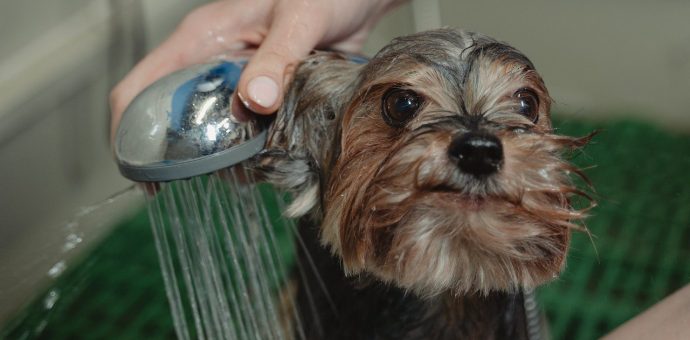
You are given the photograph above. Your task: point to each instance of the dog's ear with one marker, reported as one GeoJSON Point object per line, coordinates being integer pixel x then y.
{"type": "Point", "coordinates": [305, 136]}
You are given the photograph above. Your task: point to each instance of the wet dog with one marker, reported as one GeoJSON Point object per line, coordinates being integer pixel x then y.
{"type": "Point", "coordinates": [431, 185]}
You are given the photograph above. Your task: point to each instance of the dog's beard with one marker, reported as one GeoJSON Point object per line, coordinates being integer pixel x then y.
{"type": "Point", "coordinates": [390, 201]}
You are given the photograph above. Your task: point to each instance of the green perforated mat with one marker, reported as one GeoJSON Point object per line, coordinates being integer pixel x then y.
{"type": "Point", "coordinates": [641, 228]}
{"type": "Point", "coordinates": [115, 293]}
{"type": "Point", "coordinates": [641, 231]}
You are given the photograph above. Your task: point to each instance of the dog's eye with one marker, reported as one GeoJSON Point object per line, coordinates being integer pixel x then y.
{"type": "Point", "coordinates": [400, 105]}
{"type": "Point", "coordinates": [528, 104]}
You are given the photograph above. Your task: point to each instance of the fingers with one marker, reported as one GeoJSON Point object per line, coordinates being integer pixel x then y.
{"type": "Point", "coordinates": [293, 33]}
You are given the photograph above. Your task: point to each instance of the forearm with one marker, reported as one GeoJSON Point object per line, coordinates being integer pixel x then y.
{"type": "Point", "coordinates": [667, 320]}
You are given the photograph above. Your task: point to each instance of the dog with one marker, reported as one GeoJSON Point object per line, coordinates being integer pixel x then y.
{"type": "Point", "coordinates": [430, 185]}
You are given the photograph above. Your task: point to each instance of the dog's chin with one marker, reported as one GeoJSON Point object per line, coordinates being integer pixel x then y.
{"type": "Point", "coordinates": [453, 242]}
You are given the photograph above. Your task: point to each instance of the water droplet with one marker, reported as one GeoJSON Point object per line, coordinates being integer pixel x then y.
{"type": "Point", "coordinates": [543, 173]}
{"type": "Point", "coordinates": [41, 327]}
{"type": "Point", "coordinates": [51, 298]}
{"type": "Point", "coordinates": [71, 242]}
{"type": "Point", "coordinates": [57, 269]}
{"type": "Point", "coordinates": [83, 211]}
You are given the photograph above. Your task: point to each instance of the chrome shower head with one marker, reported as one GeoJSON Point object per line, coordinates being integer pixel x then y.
{"type": "Point", "coordinates": [182, 126]}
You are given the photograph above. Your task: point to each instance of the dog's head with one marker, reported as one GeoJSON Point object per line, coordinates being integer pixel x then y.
{"type": "Point", "coordinates": [433, 167]}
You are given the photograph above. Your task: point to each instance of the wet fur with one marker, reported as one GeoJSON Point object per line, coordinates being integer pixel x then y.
{"type": "Point", "coordinates": [362, 307]}
{"type": "Point", "coordinates": [390, 204]}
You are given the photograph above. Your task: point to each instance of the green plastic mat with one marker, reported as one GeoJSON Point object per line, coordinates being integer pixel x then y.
{"type": "Point", "coordinates": [116, 293]}
{"type": "Point", "coordinates": [641, 232]}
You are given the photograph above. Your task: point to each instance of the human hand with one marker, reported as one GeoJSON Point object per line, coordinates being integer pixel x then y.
{"type": "Point", "coordinates": [668, 319]}
{"type": "Point", "coordinates": [281, 31]}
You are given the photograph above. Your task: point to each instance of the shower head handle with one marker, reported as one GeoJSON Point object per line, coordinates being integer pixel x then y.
{"type": "Point", "coordinates": [182, 126]}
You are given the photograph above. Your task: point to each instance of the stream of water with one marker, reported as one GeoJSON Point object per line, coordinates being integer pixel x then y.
{"type": "Point", "coordinates": [224, 257]}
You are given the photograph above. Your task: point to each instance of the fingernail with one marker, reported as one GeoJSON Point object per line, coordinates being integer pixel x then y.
{"type": "Point", "coordinates": [263, 91]}
{"type": "Point", "coordinates": [244, 101]}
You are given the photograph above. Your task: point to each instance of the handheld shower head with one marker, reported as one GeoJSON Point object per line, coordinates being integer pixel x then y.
{"type": "Point", "coordinates": [182, 126]}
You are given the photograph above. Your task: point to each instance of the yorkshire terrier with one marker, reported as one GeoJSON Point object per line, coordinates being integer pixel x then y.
{"type": "Point", "coordinates": [431, 185]}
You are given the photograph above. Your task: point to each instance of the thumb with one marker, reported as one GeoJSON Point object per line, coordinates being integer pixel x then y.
{"type": "Point", "coordinates": [263, 81]}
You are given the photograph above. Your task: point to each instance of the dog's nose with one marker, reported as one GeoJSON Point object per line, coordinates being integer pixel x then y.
{"type": "Point", "coordinates": [477, 153]}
